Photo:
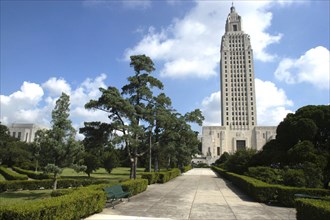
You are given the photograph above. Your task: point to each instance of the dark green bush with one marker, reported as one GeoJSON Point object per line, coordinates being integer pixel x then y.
{"type": "Point", "coordinates": [61, 192]}
{"type": "Point", "coordinates": [187, 168]}
{"type": "Point", "coordinates": [239, 161]}
{"type": "Point", "coordinates": [31, 174]}
{"type": "Point", "coordinates": [201, 165]}
{"type": "Point", "coordinates": [160, 177]}
{"type": "Point", "coordinates": [222, 159]}
{"type": "Point", "coordinates": [265, 174]}
{"type": "Point", "coordinates": [293, 177]}
{"type": "Point", "coordinates": [135, 186]}
{"type": "Point", "coordinates": [76, 205]}
{"type": "Point", "coordinates": [10, 175]}
{"type": "Point", "coordinates": [152, 177]}
{"type": "Point", "coordinates": [264, 192]}
{"type": "Point", "coordinates": [310, 209]}
{"type": "Point", "coordinates": [46, 184]}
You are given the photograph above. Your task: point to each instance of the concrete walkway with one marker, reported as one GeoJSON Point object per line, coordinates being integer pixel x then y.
{"type": "Point", "coordinates": [198, 194]}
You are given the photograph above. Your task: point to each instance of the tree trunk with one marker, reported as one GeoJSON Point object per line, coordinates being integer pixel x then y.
{"type": "Point", "coordinates": [150, 146]}
{"type": "Point", "coordinates": [156, 164]}
{"type": "Point", "coordinates": [132, 168]}
{"type": "Point", "coordinates": [55, 181]}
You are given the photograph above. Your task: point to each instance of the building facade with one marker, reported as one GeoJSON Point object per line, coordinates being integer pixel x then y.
{"type": "Point", "coordinates": [238, 128]}
{"type": "Point", "coordinates": [24, 131]}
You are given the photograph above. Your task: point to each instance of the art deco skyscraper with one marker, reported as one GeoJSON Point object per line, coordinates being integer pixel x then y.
{"type": "Point", "coordinates": [238, 103]}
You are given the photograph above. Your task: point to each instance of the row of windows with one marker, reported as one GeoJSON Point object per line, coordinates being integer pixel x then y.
{"type": "Point", "coordinates": [238, 80]}
{"type": "Point", "coordinates": [238, 66]}
{"type": "Point", "coordinates": [242, 70]}
{"type": "Point", "coordinates": [238, 113]}
{"type": "Point", "coordinates": [238, 62]}
{"type": "Point", "coordinates": [237, 53]}
{"type": "Point", "coordinates": [239, 57]}
{"type": "Point", "coordinates": [239, 123]}
{"type": "Point", "coordinates": [239, 118]}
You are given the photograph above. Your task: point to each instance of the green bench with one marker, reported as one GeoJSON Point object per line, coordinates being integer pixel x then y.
{"type": "Point", "coordinates": [115, 193]}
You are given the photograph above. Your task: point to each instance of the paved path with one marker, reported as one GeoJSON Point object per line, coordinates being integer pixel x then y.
{"type": "Point", "coordinates": [198, 194]}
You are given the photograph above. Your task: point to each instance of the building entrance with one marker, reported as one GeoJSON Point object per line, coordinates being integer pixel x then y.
{"type": "Point", "coordinates": [240, 145]}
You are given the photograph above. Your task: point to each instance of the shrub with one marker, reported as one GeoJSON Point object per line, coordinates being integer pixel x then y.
{"type": "Point", "coordinates": [264, 192]}
{"type": "Point", "coordinates": [187, 168]}
{"type": "Point", "coordinates": [239, 161]}
{"type": "Point", "coordinates": [152, 177]}
{"type": "Point", "coordinates": [293, 177]}
{"type": "Point", "coordinates": [135, 186]}
{"type": "Point", "coordinates": [31, 174]}
{"type": "Point", "coordinates": [76, 205]}
{"type": "Point", "coordinates": [223, 158]}
{"type": "Point", "coordinates": [46, 184]}
{"type": "Point", "coordinates": [10, 175]}
{"type": "Point", "coordinates": [265, 174]}
{"type": "Point", "coordinates": [309, 209]}
{"type": "Point", "coordinates": [202, 165]}
{"type": "Point", "coordinates": [160, 177]}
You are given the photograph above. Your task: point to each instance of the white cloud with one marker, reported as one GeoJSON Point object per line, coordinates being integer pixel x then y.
{"type": "Point", "coordinates": [312, 67]}
{"type": "Point", "coordinates": [272, 104]}
{"type": "Point", "coordinates": [189, 47]}
{"type": "Point", "coordinates": [211, 109]}
{"type": "Point", "coordinates": [55, 86]}
{"type": "Point", "coordinates": [130, 4]}
{"type": "Point", "coordinates": [32, 104]}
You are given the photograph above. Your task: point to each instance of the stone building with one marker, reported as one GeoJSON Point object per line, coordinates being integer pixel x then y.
{"type": "Point", "coordinates": [24, 131]}
{"type": "Point", "coordinates": [238, 128]}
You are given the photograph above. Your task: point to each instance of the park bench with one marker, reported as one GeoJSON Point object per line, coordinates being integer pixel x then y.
{"type": "Point", "coordinates": [305, 196]}
{"type": "Point", "coordinates": [115, 193]}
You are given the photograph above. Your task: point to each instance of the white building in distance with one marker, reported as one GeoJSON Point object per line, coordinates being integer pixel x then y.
{"type": "Point", "coordinates": [24, 131]}
{"type": "Point", "coordinates": [238, 128]}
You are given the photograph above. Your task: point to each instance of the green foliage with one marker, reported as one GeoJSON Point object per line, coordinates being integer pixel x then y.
{"type": "Point", "coordinates": [264, 192]}
{"type": "Point", "coordinates": [135, 186]}
{"type": "Point", "coordinates": [76, 205]}
{"type": "Point", "coordinates": [292, 177]}
{"type": "Point", "coordinates": [31, 174]}
{"type": "Point", "coordinates": [46, 184]}
{"type": "Point", "coordinates": [110, 160]}
{"type": "Point", "coordinates": [91, 162]}
{"type": "Point", "coordinates": [265, 174]}
{"type": "Point", "coordinates": [10, 175]}
{"type": "Point", "coordinates": [160, 177]}
{"type": "Point", "coordinates": [187, 168]}
{"type": "Point", "coordinates": [223, 158]}
{"type": "Point", "coordinates": [201, 165]}
{"type": "Point", "coordinates": [240, 161]}
{"type": "Point", "coordinates": [310, 209]}
{"type": "Point", "coordinates": [79, 168]}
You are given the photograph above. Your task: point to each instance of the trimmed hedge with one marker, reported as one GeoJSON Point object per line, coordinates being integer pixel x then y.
{"type": "Point", "coordinates": [10, 175]}
{"type": "Point", "coordinates": [309, 209]}
{"type": "Point", "coordinates": [46, 184]}
{"type": "Point", "coordinates": [160, 177]}
{"type": "Point", "coordinates": [76, 205]}
{"type": "Point", "coordinates": [187, 168]}
{"type": "Point", "coordinates": [135, 186]}
{"type": "Point", "coordinates": [31, 174]}
{"type": "Point", "coordinates": [264, 192]}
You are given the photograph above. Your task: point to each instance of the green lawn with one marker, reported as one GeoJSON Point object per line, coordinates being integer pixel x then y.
{"type": "Point", "coordinates": [9, 198]}
{"type": "Point", "coordinates": [118, 173]}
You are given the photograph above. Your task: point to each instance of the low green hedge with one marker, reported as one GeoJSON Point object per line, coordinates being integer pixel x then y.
{"type": "Point", "coordinates": [187, 168]}
{"type": "Point", "coordinates": [160, 177]}
{"type": "Point", "coordinates": [31, 174]}
{"type": "Point", "coordinates": [10, 175]}
{"type": "Point", "coordinates": [80, 203]}
{"type": "Point", "coordinates": [310, 209]}
{"type": "Point", "coordinates": [46, 184]}
{"type": "Point", "coordinates": [135, 186]}
{"type": "Point", "coordinates": [264, 192]}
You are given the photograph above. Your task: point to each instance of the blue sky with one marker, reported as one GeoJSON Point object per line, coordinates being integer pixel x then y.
{"type": "Point", "coordinates": [78, 46]}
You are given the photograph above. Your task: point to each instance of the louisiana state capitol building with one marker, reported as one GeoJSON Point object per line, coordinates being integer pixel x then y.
{"type": "Point", "coordinates": [238, 128]}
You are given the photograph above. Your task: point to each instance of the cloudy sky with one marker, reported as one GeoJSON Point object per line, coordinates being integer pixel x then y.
{"type": "Point", "coordinates": [50, 47]}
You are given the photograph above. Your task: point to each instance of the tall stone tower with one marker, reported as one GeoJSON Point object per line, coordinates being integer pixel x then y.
{"type": "Point", "coordinates": [238, 102]}
{"type": "Point", "coordinates": [238, 128]}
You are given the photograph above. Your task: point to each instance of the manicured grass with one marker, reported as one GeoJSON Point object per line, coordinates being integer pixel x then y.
{"type": "Point", "coordinates": [118, 173]}
{"type": "Point", "coordinates": [8, 198]}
